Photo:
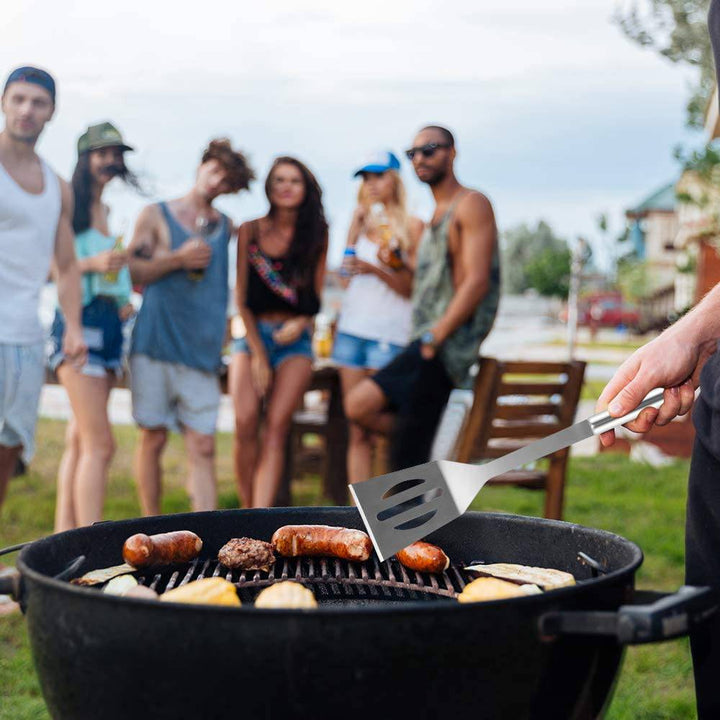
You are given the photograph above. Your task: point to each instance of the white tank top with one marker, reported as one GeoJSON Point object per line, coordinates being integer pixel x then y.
{"type": "Point", "coordinates": [371, 309]}
{"type": "Point", "coordinates": [28, 225]}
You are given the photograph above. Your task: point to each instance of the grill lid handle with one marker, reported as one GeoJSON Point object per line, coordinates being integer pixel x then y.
{"type": "Point", "coordinates": [668, 616]}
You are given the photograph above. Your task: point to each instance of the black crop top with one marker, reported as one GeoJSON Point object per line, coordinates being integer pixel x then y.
{"type": "Point", "coordinates": [270, 287]}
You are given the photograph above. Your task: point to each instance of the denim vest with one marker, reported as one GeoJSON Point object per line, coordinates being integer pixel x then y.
{"type": "Point", "coordinates": [182, 320]}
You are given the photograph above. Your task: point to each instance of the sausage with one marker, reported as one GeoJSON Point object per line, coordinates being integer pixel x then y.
{"type": "Point", "coordinates": [343, 543]}
{"type": "Point", "coordinates": [423, 557]}
{"type": "Point", "coordinates": [180, 546]}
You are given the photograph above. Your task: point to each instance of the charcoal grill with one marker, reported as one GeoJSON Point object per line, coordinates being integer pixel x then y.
{"type": "Point", "coordinates": [333, 581]}
{"type": "Point", "coordinates": [384, 641]}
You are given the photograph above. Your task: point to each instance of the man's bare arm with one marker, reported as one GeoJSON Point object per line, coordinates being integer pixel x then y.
{"type": "Point", "coordinates": [478, 235]}
{"type": "Point", "coordinates": [67, 274]}
{"type": "Point", "coordinates": [148, 258]}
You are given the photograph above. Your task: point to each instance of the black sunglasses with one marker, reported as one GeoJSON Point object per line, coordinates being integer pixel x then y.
{"type": "Point", "coordinates": [427, 150]}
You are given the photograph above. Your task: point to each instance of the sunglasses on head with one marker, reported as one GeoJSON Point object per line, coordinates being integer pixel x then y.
{"type": "Point", "coordinates": [427, 150]}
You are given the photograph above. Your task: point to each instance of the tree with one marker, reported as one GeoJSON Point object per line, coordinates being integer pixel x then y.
{"type": "Point", "coordinates": [677, 30]}
{"type": "Point", "coordinates": [549, 272]}
{"type": "Point", "coordinates": [533, 257]}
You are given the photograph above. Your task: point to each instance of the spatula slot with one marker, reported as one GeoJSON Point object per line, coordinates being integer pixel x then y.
{"type": "Point", "coordinates": [401, 487]}
{"type": "Point", "coordinates": [416, 522]}
{"type": "Point", "coordinates": [402, 507]}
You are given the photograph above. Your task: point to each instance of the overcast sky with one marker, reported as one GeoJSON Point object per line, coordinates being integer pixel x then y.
{"type": "Point", "coordinates": [556, 114]}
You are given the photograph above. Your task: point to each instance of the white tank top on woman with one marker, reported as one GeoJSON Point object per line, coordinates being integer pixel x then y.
{"type": "Point", "coordinates": [28, 225]}
{"type": "Point", "coordinates": [371, 309]}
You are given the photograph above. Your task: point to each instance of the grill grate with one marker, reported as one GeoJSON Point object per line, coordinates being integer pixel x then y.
{"type": "Point", "coordinates": [330, 579]}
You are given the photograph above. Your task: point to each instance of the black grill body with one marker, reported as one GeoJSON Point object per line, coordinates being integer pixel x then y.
{"type": "Point", "coordinates": [367, 656]}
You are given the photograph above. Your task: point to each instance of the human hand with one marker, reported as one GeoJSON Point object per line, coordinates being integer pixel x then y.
{"type": "Point", "coordinates": [427, 351]}
{"type": "Point", "coordinates": [194, 254]}
{"type": "Point", "coordinates": [126, 311]}
{"type": "Point", "coordinates": [672, 361]}
{"type": "Point", "coordinates": [364, 268]}
{"type": "Point", "coordinates": [261, 374]}
{"type": "Point", "coordinates": [110, 261]}
{"type": "Point", "coordinates": [74, 347]}
{"type": "Point", "coordinates": [290, 331]}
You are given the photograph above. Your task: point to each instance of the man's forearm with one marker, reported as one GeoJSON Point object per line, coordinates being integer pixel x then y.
{"type": "Point", "coordinates": [466, 299]}
{"type": "Point", "coordinates": [701, 326]}
{"type": "Point", "coordinates": [144, 271]}
{"type": "Point", "coordinates": [69, 294]}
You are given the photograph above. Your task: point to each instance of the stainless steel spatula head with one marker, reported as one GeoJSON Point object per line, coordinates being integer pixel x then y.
{"type": "Point", "coordinates": [404, 506]}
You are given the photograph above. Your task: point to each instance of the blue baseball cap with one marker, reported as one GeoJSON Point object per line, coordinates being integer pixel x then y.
{"type": "Point", "coordinates": [34, 75]}
{"type": "Point", "coordinates": [379, 162]}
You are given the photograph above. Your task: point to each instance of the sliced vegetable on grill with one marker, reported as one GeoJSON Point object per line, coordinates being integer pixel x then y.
{"type": "Point", "coordinates": [488, 588]}
{"type": "Point", "coordinates": [206, 591]}
{"type": "Point", "coordinates": [120, 585]}
{"type": "Point", "coordinates": [286, 594]}
{"type": "Point", "coordinates": [546, 578]}
{"type": "Point", "coordinates": [97, 577]}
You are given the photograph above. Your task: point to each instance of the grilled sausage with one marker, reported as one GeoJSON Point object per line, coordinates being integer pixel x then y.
{"type": "Point", "coordinates": [424, 557]}
{"type": "Point", "coordinates": [164, 549]}
{"type": "Point", "coordinates": [343, 543]}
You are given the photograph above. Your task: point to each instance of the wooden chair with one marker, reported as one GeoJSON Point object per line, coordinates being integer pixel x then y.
{"type": "Point", "coordinates": [514, 404]}
{"type": "Point", "coordinates": [326, 422]}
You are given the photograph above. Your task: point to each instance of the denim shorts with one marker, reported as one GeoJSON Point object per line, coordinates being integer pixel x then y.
{"type": "Point", "coordinates": [103, 335]}
{"type": "Point", "coordinates": [277, 353]}
{"type": "Point", "coordinates": [356, 352]}
{"type": "Point", "coordinates": [22, 372]}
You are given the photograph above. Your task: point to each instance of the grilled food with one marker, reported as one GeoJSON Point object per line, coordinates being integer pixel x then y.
{"type": "Point", "coordinates": [489, 588]}
{"type": "Point", "coordinates": [207, 591]}
{"type": "Point", "coordinates": [247, 554]}
{"type": "Point", "coordinates": [286, 595]}
{"type": "Point", "coordinates": [180, 546]}
{"type": "Point", "coordinates": [343, 543]}
{"type": "Point", "coordinates": [97, 577]}
{"type": "Point", "coordinates": [545, 578]}
{"type": "Point", "coordinates": [424, 557]}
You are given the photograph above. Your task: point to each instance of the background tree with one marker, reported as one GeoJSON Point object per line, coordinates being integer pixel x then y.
{"type": "Point", "coordinates": [677, 30]}
{"type": "Point", "coordinates": [534, 258]}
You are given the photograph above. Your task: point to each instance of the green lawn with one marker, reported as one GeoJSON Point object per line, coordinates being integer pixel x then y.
{"type": "Point", "coordinates": [644, 504]}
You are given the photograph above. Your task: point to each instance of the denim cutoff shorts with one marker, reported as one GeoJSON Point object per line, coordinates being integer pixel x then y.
{"type": "Point", "coordinates": [277, 353]}
{"type": "Point", "coordinates": [103, 335]}
{"type": "Point", "coordinates": [356, 352]}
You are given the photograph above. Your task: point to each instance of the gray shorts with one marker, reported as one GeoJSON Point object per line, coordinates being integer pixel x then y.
{"type": "Point", "coordinates": [22, 373]}
{"type": "Point", "coordinates": [174, 396]}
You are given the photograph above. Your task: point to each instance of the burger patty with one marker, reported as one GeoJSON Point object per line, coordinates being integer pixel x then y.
{"type": "Point", "coordinates": [247, 554]}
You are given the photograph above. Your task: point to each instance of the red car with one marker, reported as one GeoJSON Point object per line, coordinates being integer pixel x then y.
{"type": "Point", "coordinates": [605, 310]}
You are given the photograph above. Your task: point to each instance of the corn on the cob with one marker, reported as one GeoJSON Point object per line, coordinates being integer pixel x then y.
{"type": "Point", "coordinates": [207, 591]}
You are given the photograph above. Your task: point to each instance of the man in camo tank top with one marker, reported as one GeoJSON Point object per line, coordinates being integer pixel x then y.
{"type": "Point", "coordinates": [455, 299]}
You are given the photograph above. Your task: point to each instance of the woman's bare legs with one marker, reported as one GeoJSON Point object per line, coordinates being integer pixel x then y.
{"type": "Point", "coordinates": [65, 504]}
{"type": "Point", "coordinates": [292, 378]}
{"type": "Point", "coordinates": [247, 417]}
{"type": "Point", "coordinates": [89, 398]}
{"type": "Point", "coordinates": [360, 440]}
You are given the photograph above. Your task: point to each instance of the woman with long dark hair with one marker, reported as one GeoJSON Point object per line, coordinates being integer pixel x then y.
{"type": "Point", "coordinates": [89, 443]}
{"type": "Point", "coordinates": [280, 272]}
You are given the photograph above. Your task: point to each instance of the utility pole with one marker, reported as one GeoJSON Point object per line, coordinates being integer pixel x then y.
{"type": "Point", "coordinates": [579, 254]}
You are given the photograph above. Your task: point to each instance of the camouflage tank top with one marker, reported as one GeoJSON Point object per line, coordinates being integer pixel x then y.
{"type": "Point", "coordinates": [433, 290]}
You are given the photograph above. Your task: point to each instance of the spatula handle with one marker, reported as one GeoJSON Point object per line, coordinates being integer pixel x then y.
{"type": "Point", "coordinates": [604, 421]}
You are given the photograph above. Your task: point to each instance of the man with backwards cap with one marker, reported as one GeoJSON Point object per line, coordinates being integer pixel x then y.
{"type": "Point", "coordinates": [36, 209]}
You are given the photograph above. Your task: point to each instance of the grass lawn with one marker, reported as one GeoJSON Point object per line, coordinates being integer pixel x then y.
{"type": "Point", "coordinates": [644, 504]}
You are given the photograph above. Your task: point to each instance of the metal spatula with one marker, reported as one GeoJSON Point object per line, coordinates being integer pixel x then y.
{"type": "Point", "coordinates": [404, 506]}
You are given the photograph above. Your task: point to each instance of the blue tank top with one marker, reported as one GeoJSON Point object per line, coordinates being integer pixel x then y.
{"type": "Point", "coordinates": [182, 320]}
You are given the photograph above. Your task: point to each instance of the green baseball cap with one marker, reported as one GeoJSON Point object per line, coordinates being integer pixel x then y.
{"type": "Point", "coordinates": [101, 136]}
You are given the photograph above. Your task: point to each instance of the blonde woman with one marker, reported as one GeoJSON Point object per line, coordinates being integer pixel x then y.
{"type": "Point", "coordinates": [374, 323]}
